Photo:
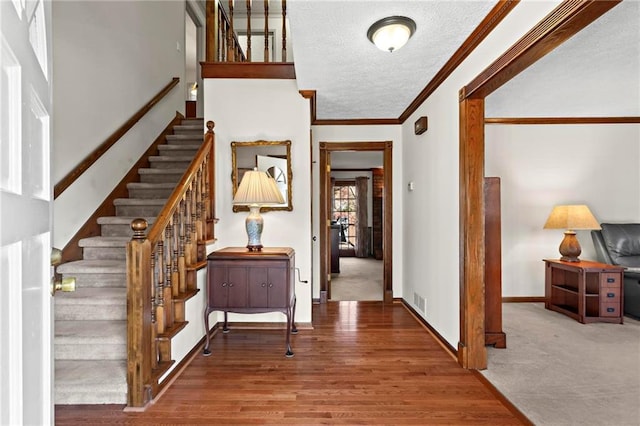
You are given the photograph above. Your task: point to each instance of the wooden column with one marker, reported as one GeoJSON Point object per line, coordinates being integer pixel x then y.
{"type": "Point", "coordinates": [472, 353]}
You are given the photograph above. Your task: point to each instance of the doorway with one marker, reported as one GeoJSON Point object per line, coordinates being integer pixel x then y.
{"type": "Point", "coordinates": [338, 198]}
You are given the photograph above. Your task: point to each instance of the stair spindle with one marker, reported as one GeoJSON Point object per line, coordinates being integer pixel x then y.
{"type": "Point", "coordinates": [231, 53]}
{"type": "Point", "coordinates": [249, 31]}
{"type": "Point", "coordinates": [266, 30]}
{"type": "Point", "coordinates": [284, 31]}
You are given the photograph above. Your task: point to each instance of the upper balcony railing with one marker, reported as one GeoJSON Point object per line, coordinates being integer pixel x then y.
{"type": "Point", "coordinates": [247, 31]}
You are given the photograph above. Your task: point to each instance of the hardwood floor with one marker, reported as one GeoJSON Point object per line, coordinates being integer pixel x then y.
{"type": "Point", "coordinates": [363, 363]}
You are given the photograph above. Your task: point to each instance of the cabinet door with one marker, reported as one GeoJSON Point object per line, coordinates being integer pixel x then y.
{"type": "Point", "coordinates": [277, 285]}
{"type": "Point", "coordinates": [217, 287]}
{"type": "Point", "coordinates": [258, 290]}
{"type": "Point", "coordinates": [237, 287]}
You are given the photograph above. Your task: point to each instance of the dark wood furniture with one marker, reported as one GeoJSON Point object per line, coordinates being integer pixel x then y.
{"type": "Point", "coordinates": [493, 334]}
{"type": "Point", "coordinates": [249, 282]}
{"type": "Point", "coordinates": [585, 291]}
{"type": "Point", "coordinates": [335, 249]}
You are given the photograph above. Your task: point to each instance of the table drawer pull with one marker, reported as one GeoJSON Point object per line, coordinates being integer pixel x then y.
{"type": "Point", "coordinates": [611, 295]}
{"type": "Point", "coordinates": [611, 280]}
{"type": "Point", "coordinates": [611, 309]}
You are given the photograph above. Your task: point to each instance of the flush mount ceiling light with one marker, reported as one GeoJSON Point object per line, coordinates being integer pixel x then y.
{"type": "Point", "coordinates": [391, 33]}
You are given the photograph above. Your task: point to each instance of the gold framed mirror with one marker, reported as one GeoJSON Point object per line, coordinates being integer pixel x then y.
{"type": "Point", "coordinates": [273, 157]}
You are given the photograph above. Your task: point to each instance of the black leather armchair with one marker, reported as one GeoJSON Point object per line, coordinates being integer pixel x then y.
{"type": "Point", "coordinates": [619, 244]}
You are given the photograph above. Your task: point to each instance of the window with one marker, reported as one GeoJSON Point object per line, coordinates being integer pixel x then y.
{"type": "Point", "coordinates": [345, 213]}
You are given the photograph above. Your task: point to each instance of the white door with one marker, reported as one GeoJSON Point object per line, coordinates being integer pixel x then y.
{"type": "Point", "coordinates": [26, 367]}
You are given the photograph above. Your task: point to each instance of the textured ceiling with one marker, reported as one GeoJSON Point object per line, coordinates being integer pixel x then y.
{"type": "Point", "coordinates": [595, 73]}
{"type": "Point", "coordinates": [352, 78]}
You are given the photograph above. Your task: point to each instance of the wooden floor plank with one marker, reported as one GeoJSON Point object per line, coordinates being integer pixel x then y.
{"type": "Point", "coordinates": [363, 363]}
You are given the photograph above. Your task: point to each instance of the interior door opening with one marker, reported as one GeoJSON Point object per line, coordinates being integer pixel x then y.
{"type": "Point", "coordinates": [355, 205]}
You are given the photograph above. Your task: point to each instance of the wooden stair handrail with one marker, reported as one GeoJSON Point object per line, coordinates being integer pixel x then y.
{"type": "Point", "coordinates": [90, 159]}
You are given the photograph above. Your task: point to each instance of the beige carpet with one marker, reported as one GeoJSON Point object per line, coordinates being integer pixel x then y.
{"type": "Point", "coordinates": [359, 279]}
{"type": "Point", "coordinates": [560, 372]}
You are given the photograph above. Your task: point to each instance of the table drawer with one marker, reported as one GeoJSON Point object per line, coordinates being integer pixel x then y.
{"type": "Point", "coordinates": [610, 279]}
{"type": "Point", "coordinates": [610, 309]}
{"type": "Point", "coordinates": [609, 295]}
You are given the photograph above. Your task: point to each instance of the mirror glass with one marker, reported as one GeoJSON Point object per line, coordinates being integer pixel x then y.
{"type": "Point", "coordinates": [273, 157]}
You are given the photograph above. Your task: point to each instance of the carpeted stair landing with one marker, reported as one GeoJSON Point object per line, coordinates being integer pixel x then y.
{"type": "Point", "coordinates": [90, 341]}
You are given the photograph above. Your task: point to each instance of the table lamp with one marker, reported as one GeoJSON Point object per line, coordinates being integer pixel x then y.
{"type": "Point", "coordinates": [256, 189]}
{"type": "Point", "coordinates": [571, 217]}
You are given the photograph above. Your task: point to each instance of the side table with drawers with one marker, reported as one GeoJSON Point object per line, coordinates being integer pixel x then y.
{"type": "Point", "coordinates": [585, 291]}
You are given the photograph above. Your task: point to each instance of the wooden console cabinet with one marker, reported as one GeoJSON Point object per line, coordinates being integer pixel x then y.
{"type": "Point", "coordinates": [585, 291]}
{"type": "Point", "coordinates": [246, 282]}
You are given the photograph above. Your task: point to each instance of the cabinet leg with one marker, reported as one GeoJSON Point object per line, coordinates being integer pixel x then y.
{"type": "Point", "coordinates": [206, 351]}
{"type": "Point", "coordinates": [225, 327]}
{"type": "Point", "coordinates": [289, 352]}
{"type": "Point", "coordinates": [294, 329]}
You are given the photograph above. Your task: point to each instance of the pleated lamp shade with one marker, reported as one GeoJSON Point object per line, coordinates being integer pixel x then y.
{"type": "Point", "coordinates": [259, 188]}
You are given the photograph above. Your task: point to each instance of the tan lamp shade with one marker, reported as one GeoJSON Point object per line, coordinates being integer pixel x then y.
{"type": "Point", "coordinates": [571, 217]}
{"type": "Point", "coordinates": [257, 187]}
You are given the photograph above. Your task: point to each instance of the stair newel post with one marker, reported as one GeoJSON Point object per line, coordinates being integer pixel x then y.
{"type": "Point", "coordinates": [210, 189]}
{"type": "Point", "coordinates": [248, 32]}
{"type": "Point", "coordinates": [231, 51]}
{"type": "Point", "coordinates": [139, 321]}
{"type": "Point", "coordinates": [266, 30]}
{"type": "Point", "coordinates": [284, 31]}
{"type": "Point", "coordinates": [175, 244]}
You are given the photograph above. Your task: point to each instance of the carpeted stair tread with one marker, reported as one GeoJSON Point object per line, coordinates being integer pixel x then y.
{"type": "Point", "coordinates": [94, 296]}
{"type": "Point", "coordinates": [93, 266]}
{"type": "Point", "coordinates": [188, 128]}
{"type": "Point", "coordinates": [151, 185]}
{"type": "Point", "coordinates": [157, 171]}
{"type": "Point", "coordinates": [90, 382]}
{"type": "Point", "coordinates": [122, 220]}
{"type": "Point", "coordinates": [185, 158]}
{"type": "Point", "coordinates": [182, 147]}
{"type": "Point", "coordinates": [91, 332]}
{"type": "Point", "coordinates": [139, 201]}
{"type": "Point", "coordinates": [104, 242]}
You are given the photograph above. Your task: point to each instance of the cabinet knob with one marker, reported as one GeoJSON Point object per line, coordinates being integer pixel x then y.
{"type": "Point", "coordinates": [270, 285]}
{"type": "Point", "coordinates": [263, 284]}
{"type": "Point", "coordinates": [230, 284]}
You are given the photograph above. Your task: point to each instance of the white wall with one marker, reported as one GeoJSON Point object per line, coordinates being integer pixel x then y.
{"type": "Point", "coordinates": [431, 211]}
{"type": "Point", "coordinates": [110, 58]}
{"type": "Point", "coordinates": [250, 110]}
{"type": "Point", "coordinates": [361, 134]}
{"type": "Point", "coordinates": [541, 166]}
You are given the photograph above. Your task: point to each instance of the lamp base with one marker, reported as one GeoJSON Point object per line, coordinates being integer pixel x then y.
{"type": "Point", "coordinates": [570, 247]}
{"type": "Point", "coordinates": [254, 225]}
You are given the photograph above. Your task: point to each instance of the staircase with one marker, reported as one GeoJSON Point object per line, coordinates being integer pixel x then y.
{"type": "Point", "coordinates": [90, 341]}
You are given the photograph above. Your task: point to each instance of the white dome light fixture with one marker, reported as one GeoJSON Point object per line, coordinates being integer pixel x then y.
{"type": "Point", "coordinates": [391, 33]}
